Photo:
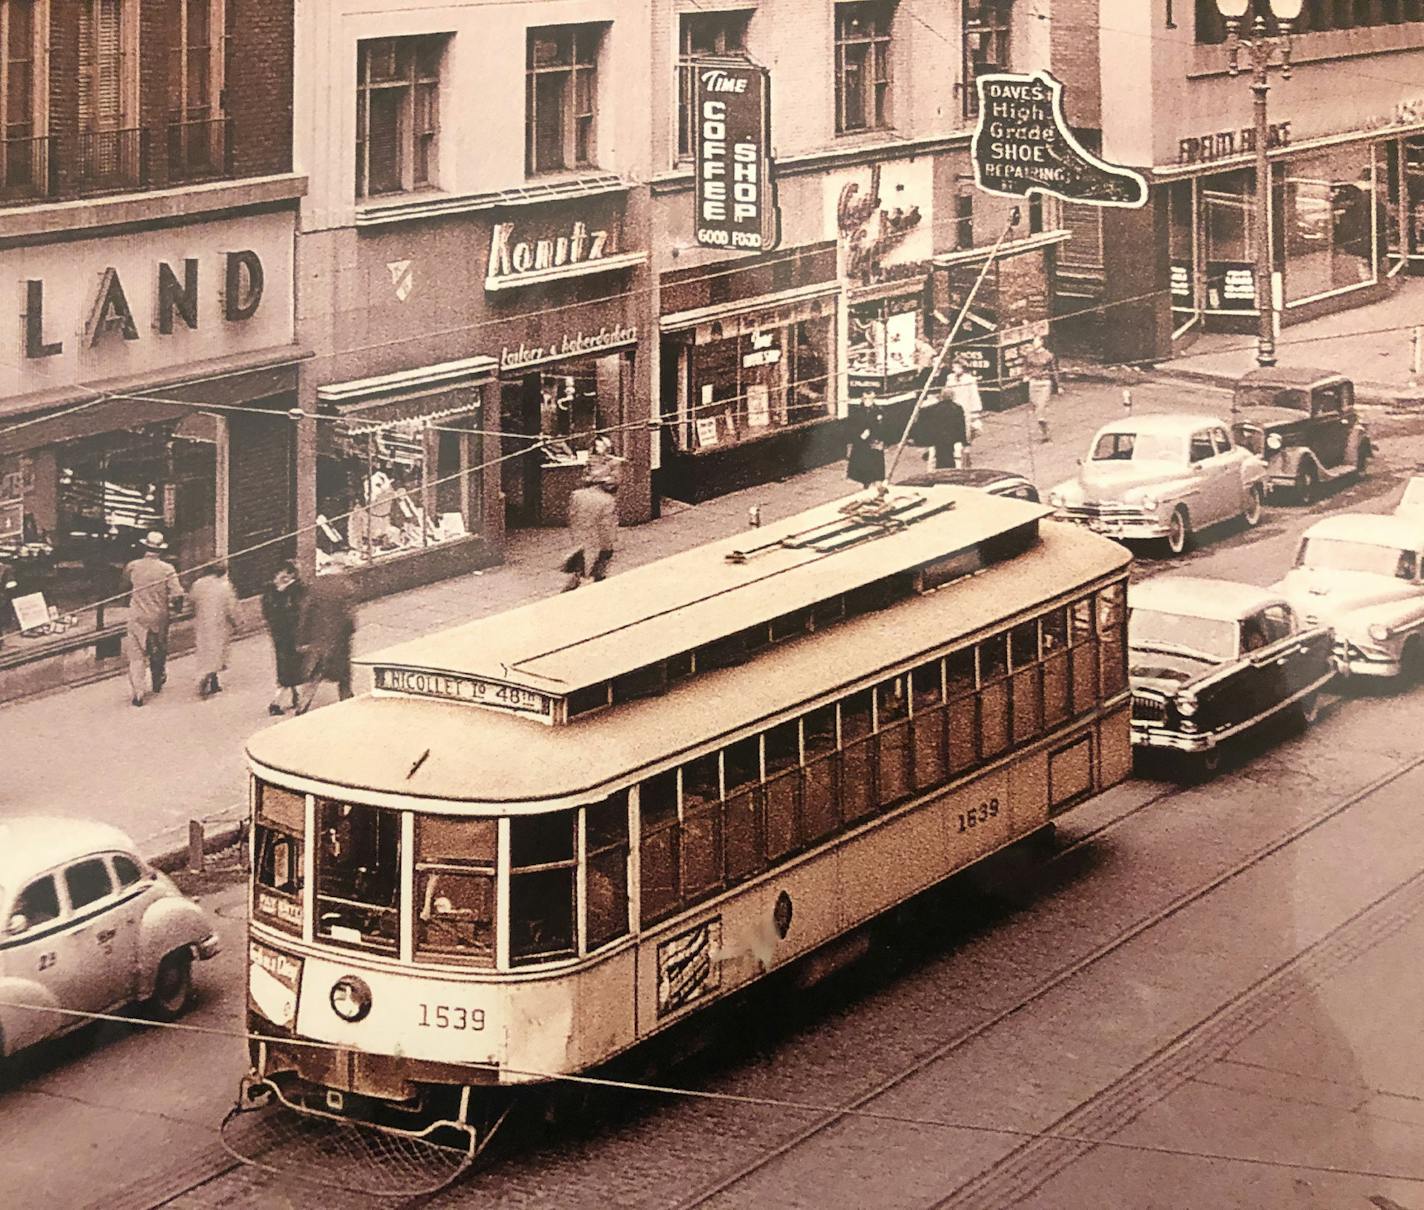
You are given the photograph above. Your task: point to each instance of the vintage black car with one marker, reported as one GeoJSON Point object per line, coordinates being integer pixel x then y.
{"type": "Point", "coordinates": [1303, 423]}
{"type": "Point", "coordinates": [996, 483]}
{"type": "Point", "coordinates": [1209, 659]}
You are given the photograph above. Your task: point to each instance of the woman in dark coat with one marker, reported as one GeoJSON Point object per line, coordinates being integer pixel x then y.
{"type": "Point", "coordinates": [866, 463]}
{"type": "Point", "coordinates": [328, 624]}
{"type": "Point", "coordinates": [282, 602]}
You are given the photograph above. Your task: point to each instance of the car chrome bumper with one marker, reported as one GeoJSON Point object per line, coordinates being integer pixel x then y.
{"type": "Point", "coordinates": [1146, 736]}
{"type": "Point", "coordinates": [1355, 661]}
{"type": "Point", "coordinates": [1141, 528]}
{"type": "Point", "coordinates": [209, 947]}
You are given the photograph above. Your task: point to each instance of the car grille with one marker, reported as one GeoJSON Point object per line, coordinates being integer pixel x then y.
{"type": "Point", "coordinates": [1148, 708]}
{"type": "Point", "coordinates": [1103, 509]}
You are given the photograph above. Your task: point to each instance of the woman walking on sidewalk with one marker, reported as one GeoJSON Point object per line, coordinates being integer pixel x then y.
{"type": "Point", "coordinates": [593, 516]}
{"type": "Point", "coordinates": [282, 611]}
{"type": "Point", "coordinates": [1041, 370]}
{"type": "Point", "coordinates": [214, 620]}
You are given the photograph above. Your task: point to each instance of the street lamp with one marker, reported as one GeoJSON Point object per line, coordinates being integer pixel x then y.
{"type": "Point", "coordinates": [1260, 49]}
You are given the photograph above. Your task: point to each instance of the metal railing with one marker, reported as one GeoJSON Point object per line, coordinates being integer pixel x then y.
{"type": "Point", "coordinates": [26, 168]}
{"type": "Point", "coordinates": [200, 149]}
{"type": "Point", "coordinates": [111, 159]}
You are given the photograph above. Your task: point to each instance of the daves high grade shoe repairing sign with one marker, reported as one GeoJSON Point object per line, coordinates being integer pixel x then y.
{"type": "Point", "coordinates": [1022, 144]}
{"type": "Point", "coordinates": [734, 193]}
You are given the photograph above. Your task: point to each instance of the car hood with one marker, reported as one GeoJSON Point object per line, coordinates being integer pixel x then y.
{"type": "Point", "coordinates": [1267, 417]}
{"type": "Point", "coordinates": [1335, 594]}
{"type": "Point", "coordinates": [1165, 671]}
{"type": "Point", "coordinates": [1107, 480]}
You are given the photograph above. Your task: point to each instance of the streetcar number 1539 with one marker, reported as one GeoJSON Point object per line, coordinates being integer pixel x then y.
{"type": "Point", "coordinates": [451, 1016]}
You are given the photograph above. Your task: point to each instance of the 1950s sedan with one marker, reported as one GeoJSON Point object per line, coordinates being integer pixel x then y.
{"type": "Point", "coordinates": [89, 928]}
{"type": "Point", "coordinates": [1209, 659]}
{"type": "Point", "coordinates": [1163, 478]}
{"type": "Point", "coordinates": [1364, 576]}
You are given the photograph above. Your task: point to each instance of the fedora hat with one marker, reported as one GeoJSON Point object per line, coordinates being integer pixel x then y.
{"type": "Point", "coordinates": [154, 541]}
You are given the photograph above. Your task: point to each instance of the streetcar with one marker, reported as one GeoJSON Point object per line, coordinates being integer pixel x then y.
{"type": "Point", "coordinates": [548, 835]}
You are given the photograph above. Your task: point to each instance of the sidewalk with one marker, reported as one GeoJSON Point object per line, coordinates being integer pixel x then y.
{"type": "Point", "coordinates": [86, 752]}
{"type": "Point", "coordinates": [1371, 345]}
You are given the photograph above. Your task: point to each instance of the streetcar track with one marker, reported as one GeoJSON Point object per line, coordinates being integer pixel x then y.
{"type": "Point", "coordinates": [1059, 978]}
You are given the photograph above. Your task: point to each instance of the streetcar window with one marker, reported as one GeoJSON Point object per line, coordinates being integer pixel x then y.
{"type": "Point", "coordinates": [658, 845]}
{"type": "Point", "coordinates": [893, 753]}
{"type": "Point", "coordinates": [856, 717]}
{"type": "Point", "coordinates": [741, 809]}
{"type": "Point", "coordinates": [892, 703]}
{"type": "Point", "coordinates": [606, 891]}
{"type": "Point", "coordinates": [278, 869]}
{"type": "Point", "coordinates": [857, 756]}
{"type": "Point", "coordinates": [783, 789]}
{"type": "Point", "coordinates": [822, 795]}
{"type": "Point", "coordinates": [1112, 638]}
{"type": "Point", "coordinates": [1085, 655]}
{"type": "Point", "coordinates": [789, 625]}
{"type": "Point", "coordinates": [928, 684]}
{"type": "Point", "coordinates": [455, 888]}
{"type": "Point", "coordinates": [358, 874]}
{"type": "Point", "coordinates": [1023, 644]}
{"type": "Point", "coordinates": [641, 682]}
{"type": "Point", "coordinates": [541, 887]}
{"type": "Point", "coordinates": [993, 658]}
{"type": "Point", "coordinates": [959, 672]}
{"type": "Point", "coordinates": [701, 865]}
{"type": "Point", "coordinates": [1054, 629]}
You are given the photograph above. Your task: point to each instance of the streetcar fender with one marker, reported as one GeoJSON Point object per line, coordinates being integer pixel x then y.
{"type": "Point", "coordinates": [23, 1019]}
{"type": "Point", "coordinates": [169, 924]}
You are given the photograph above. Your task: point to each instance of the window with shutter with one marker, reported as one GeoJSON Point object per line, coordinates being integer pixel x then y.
{"type": "Point", "coordinates": [101, 65]}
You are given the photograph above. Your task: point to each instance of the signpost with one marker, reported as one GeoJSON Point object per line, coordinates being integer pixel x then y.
{"type": "Point", "coordinates": [1022, 145]}
{"type": "Point", "coordinates": [734, 194]}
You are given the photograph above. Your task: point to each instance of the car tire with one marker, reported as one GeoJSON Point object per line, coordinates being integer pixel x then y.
{"type": "Point", "coordinates": [1411, 664]}
{"type": "Point", "coordinates": [1307, 479]}
{"type": "Point", "coordinates": [172, 987]}
{"type": "Point", "coordinates": [1362, 460]}
{"type": "Point", "coordinates": [1254, 505]}
{"type": "Point", "coordinates": [1179, 531]}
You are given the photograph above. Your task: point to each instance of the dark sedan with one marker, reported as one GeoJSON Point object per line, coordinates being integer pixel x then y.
{"type": "Point", "coordinates": [1209, 659]}
{"type": "Point", "coordinates": [996, 483]}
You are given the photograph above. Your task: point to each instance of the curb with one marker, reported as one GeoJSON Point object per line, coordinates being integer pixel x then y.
{"type": "Point", "coordinates": [172, 860]}
{"type": "Point", "coordinates": [1376, 393]}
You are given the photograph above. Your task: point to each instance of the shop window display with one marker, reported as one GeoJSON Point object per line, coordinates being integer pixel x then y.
{"type": "Point", "coordinates": [1228, 205]}
{"type": "Point", "coordinates": [1329, 223]}
{"type": "Point", "coordinates": [385, 490]}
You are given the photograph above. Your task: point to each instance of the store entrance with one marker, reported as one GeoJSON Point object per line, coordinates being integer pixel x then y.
{"type": "Point", "coordinates": [519, 404]}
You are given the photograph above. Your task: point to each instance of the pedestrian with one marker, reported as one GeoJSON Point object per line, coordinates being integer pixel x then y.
{"type": "Point", "coordinates": [1041, 370]}
{"type": "Point", "coordinates": [964, 389]}
{"type": "Point", "coordinates": [327, 626]}
{"type": "Point", "coordinates": [593, 516]}
{"type": "Point", "coordinates": [214, 620]}
{"type": "Point", "coordinates": [154, 588]}
{"type": "Point", "coordinates": [865, 463]}
{"type": "Point", "coordinates": [941, 427]}
{"type": "Point", "coordinates": [282, 602]}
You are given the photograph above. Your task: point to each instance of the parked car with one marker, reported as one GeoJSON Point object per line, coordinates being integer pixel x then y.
{"type": "Point", "coordinates": [89, 927]}
{"type": "Point", "coordinates": [1360, 574]}
{"type": "Point", "coordinates": [1210, 659]}
{"type": "Point", "coordinates": [1163, 477]}
{"type": "Point", "coordinates": [1303, 423]}
{"type": "Point", "coordinates": [996, 483]}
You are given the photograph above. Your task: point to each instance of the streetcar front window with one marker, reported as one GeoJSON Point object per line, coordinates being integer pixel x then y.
{"type": "Point", "coordinates": [455, 861]}
{"type": "Point", "coordinates": [277, 868]}
{"type": "Point", "coordinates": [542, 866]}
{"type": "Point", "coordinates": [606, 849]}
{"type": "Point", "coordinates": [358, 874]}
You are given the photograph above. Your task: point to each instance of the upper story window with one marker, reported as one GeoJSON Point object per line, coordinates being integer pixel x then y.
{"type": "Point", "coordinates": [863, 65]}
{"type": "Point", "coordinates": [110, 148]}
{"type": "Point", "coordinates": [986, 45]}
{"type": "Point", "coordinates": [561, 100]}
{"type": "Point", "coordinates": [23, 160]}
{"type": "Point", "coordinates": [703, 34]}
{"type": "Point", "coordinates": [197, 143]}
{"type": "Point", "coordinates": [397, 114]}
{"type": "Point", "coordinates": [1315, 15]}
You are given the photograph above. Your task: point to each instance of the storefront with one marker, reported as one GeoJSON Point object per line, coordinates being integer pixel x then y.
{"type": "Point", "coordinates": [153, 393]}
{"type": "Point", "coordinates": [749, 371]}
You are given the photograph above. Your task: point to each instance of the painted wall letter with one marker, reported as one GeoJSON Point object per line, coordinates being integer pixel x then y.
{"type": "Point", "coordinates": [35, 345]}
{"type": "Point", "coordinates": [174, 297]}
{"type": "Point", "coordinates": [111, 310]}
{"type": "Point", "coordinates": [240, 303]}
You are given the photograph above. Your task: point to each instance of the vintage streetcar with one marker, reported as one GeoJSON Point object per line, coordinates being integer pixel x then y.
{"type": "Point", "coordinates": [1211, 659]}
{"type": "Point", "coordinates": [550, 834]}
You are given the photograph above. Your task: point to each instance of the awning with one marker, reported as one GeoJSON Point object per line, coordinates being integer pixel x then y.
{"type": "Point", "coordinates": [412, 412]}
{"type": "Point", "coordinates": [420, 396]}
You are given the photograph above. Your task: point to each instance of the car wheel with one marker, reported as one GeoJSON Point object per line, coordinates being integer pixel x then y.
{"type": "Point", "coordinates": [1306, 480]}
{"type": "Point", "coordinates": [1179, 530]}
{"type": "Point", "coordinates": [1362, 460]}
{"type": "Point", "coordinates": [1254, 503]}
{"type": "Point", "coordinates": [172, 987]}
{"type": "Point", "coordinates": [1411, 663]}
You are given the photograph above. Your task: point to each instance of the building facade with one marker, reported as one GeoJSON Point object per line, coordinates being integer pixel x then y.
{"type": "Point", "coordinates": [1346, 146]}
{"type": "Point", "coordinates": [472, 267]}
{"type": "Point", "coordinates": [147, 224]}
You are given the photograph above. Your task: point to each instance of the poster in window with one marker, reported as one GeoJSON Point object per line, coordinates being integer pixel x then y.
{"type": "Point", "coordinates": [12, 521]}
{"type": "Point", "coordinates": [758, 406]}
{"type": "Point", "coordinates": [734, 193]}
{"type": "Point", "coordinates": [1231, 286]}
{"type": "Point", "coordinates": [706, 432]}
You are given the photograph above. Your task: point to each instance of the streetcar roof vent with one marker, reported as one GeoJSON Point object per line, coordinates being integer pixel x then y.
{"type": "Point", "coordinates": [711, 607]}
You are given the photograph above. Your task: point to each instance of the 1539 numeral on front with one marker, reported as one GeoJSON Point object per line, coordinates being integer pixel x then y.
{"type": "Point", "coordinates": [451, 1016]}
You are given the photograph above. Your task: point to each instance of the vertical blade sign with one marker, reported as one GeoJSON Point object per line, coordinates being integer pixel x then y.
{"type": "Point", "coordinates": [735, 194]}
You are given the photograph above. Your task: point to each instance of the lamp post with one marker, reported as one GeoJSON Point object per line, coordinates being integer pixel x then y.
{"type": "Point", "coordinates": [1260, 50]}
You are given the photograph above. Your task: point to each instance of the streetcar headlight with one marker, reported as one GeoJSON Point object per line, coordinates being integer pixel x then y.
{"type": "Point", "coordinates": [1186, 704]}
{"type": "Point", "coordinates": [350, 998]}
{"type": "Point", "coordinates": [1380, 634]}
{"type": "Point", "coordinates": [1273, 441]}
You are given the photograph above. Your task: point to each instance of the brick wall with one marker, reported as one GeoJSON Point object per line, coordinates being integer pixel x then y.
{"type": "Point", "coordinates": [259, 85]}
{"type": "Point", "coordinates": [1075, 59]}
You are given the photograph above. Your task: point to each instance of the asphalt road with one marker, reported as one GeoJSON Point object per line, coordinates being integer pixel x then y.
{"type": "Point", "coordinates": [1214, 985]}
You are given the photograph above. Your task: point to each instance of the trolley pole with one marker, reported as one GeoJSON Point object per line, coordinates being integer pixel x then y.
{"type": "Point", "coordinates": [949, 341]}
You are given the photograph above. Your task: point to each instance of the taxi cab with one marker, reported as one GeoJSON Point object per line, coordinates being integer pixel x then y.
{"type": "Point", "coordinates": [88, 927]}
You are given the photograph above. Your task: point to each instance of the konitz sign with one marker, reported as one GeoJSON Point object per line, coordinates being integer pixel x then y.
{"type": "Point", "coordinates": [1022, 145]}
{"type": "Point", "coordinates": [521, 257]}
{"type": "Point", "coordinates": [734, 195]}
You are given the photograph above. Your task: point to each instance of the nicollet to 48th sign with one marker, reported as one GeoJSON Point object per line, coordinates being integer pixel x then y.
{"type": "Point", "coordinates": [734, 194]}
{"type": "Point", "coordinates": [1022, 144]}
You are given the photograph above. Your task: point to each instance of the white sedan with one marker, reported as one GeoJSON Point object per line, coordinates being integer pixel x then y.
{"type": "Point", "coordinates": [1163, 478]}
{"type": "Point", "coordinates": [89, 928]}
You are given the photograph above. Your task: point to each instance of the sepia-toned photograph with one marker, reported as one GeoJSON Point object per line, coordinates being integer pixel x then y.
{"type": "Point", "coordinates": [712, 604]}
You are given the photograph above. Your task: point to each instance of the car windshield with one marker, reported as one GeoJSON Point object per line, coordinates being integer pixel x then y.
{"type": "Point", "coordinates": [1209, 639]}
{"type": "Point", "coordinates": [1336, 554]}
{"type": "Point", "coordinates": [1261, 395]}
{"type": "Point", "coordinates": [1122, 447]}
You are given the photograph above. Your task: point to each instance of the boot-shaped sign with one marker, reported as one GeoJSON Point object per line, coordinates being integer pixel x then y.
{"type": "Point", "coordinates": [1023, 144]}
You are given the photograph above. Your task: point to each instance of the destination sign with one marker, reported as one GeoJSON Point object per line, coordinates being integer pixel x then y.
{"type": "Point", "coordinates": [457, 687]}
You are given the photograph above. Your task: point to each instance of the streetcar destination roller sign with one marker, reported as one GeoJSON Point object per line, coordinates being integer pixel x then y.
{"type": "Point", "coordinates": [734, 193]}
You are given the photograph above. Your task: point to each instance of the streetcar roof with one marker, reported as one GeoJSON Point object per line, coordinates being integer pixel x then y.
{"type": "Point", "coordinates": [568, 642]}
{"type": "Point", "coordinates": [437, 753]}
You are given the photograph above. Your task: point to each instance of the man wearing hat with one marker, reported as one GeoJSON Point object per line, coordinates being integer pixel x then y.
{"type": "Point", "coordinates": [153, 585]}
